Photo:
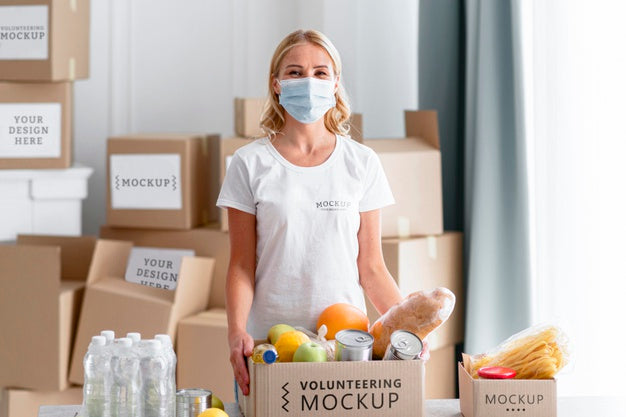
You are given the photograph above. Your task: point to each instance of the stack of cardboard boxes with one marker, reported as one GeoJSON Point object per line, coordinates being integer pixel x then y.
{"type": "Point", "coordinates": [44, 47]}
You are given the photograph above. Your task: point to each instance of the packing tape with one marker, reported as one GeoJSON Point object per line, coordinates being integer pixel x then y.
{"type": "Point", "coordinates": [72, 65]}
{"type": "Point", "coordinates": [74, 5]}
{"type": "Point", "coordinates": [404, 226]}
{"type": "Point", "coordinates": [204, 144]}
{"type": "Point", "coordinates": [431, 243]}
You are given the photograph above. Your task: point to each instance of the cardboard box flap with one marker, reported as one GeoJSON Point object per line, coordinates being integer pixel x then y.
{"type": "Point", "coordinates": [422, 124]}
{"type": "Point", "coordinates": [76, 252]}
{"type": "Point", "coordinates": [109, 259]}
{"type": "Point", "coordinates": [37, 267]}
{"type": "Point", "coordinates": [118, 285]}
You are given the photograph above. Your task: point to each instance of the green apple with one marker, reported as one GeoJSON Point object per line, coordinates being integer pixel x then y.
{"type": "Point", "coordinates": [216, 402]}
{"type": "Point", "coordinates": [276, 330]}
{"type": "Point", "coordinates": [310, 352]}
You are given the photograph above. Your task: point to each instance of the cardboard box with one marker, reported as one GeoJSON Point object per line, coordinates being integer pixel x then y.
{"type": "Point", "coordinates": [207, 241]}
{"type": "Point", "coordinates": [23, 403]}
{"type": "Point", "coordinates": [41, 287]}
{"type": "Point", "coordinates": [248, 116]}
{"type": "Point", "coordinates": [44, 40]}
{"type": "Point", "coordinates": [204, 354]}
{"type": "Point", "coordinates": [221, 153]}
{"type": "Point", "coordinates": [425, 263]}
{"type": "Point", "coordinates": [35, 125]}
{"type": "Point", "coordinates": [441, 374]}
{"type": "Point", "coordinates": [413, 168]}
{"type": "Point", "coordinates": [159, 181]}
{"type": "Point", "coordinates": [374, 388]}
{"type": "Point", "coordinates": [496, 398]}
{"type": "Point", "coordinates": [111, 302]}
{"type": "Point", "coordinates": [42, 201]}
{"type": "Point", "coordinates": [356, 127]}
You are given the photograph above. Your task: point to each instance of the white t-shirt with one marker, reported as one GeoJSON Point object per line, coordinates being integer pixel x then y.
{"type": "Point", "coordinates": [307, 223]}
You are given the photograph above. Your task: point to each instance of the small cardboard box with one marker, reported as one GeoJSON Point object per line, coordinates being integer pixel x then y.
{"type": "Point", "coordinates": [441, 375]}
{"type": "Point", "coordinates": [248, 112]}
{"type": "Point", "coordinates": [41, 287]}
{"type": "Point", "coordinates": [204, 354]}
{"type": "Point", "coordinates": [159, 181]}
{"type": "Point", "coordinates": [221, 153]}
{"type": "Point", "coordinates": [23, 403]}
{"type": "Point", "coordinates": [42, 201]}
{"type": "Point", "coordinates": [44, 40]}
{"type": "Point", "coordinates": [424, 263]}
{"type": "Point", "coordinates": [207, 241]}
{"type": "Point", "coordinates": [413, 168]}
{"type": "Point", "coordinates": [303, 389]}
{"type": "Point", "coordinates": [496, 398]}
{"type": "Point", "coordinates": [35, 125]}
{"type": "Point", "coordinates": [111, 302]}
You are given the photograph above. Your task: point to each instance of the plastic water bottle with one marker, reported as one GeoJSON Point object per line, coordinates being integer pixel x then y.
{"type": "Point", "coordinates": [154, 379]}
{"type": "Point", "coordinates": [135, 337]}
{"type": "Point", "coordinates": [109, 336]}
{"type": "Point", "coordinates": [168, 347]}
{"type": "Point", "coordinates": [96, 389]}
{"type": "Point", "coordinates": [125, 400]}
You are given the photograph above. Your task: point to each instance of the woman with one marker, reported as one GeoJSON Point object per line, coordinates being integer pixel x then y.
{"type": "Point", "coordinates": [303, 206]}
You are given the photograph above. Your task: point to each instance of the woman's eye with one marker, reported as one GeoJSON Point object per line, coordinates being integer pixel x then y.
{"type": "Point", "coordinates": [321, 74]}
{"type": "Point", "coordinates": [294, 73]}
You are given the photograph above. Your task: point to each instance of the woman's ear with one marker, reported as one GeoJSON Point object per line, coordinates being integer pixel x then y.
{"type": "Point", "coordinates": [276, 85]}
{"type": "Point", "coordinates": [336, 83]}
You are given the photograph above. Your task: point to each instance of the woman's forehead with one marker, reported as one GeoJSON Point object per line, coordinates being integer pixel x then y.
{"type": "Point", "coordinates": [307, 54]}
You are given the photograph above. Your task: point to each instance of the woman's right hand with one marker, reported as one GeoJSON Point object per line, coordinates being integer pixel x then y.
{"type": "Point", "coordinates": [241, 346]}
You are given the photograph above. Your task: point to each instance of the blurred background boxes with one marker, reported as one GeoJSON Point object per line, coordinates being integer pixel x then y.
{"type": "Point", "coordinates": [24, 403]}
{"type": "Point", "coordinates": [41, 286]}
{"type": "Point", "coordinates": [48, 40]}
{"type": "Point", "coordinates": [413, 169]}
{"type": "Point", "coordinates": [204, 354]}
{"type": "Point", "coordinates": [207, 241]}
{"type": "Point", "coordinates": [159, 181]}
{"type": "Point", "coordinates": [248, 112]}
{"type": "Point", "coordinates": [36, 120]}
{"type": "Point", "coordinates": [42, 201]}
{"type": "Point", "coordinates": [441, 374]}
{"type": "Point", "coordinates": [111, 302]}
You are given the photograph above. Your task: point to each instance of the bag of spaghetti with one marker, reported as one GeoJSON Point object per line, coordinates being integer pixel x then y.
{"type": "Point", "coordinates": [538, 352]}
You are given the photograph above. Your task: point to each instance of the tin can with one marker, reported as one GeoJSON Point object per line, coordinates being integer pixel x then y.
{"type": "Point", "coordinates": [403, 345]}
{"type": "Point", "coordinates": [353, 345]}
{"type": "Point", "coordinates": [193, 401]}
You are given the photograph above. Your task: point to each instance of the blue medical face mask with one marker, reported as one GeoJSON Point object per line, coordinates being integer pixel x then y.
{"type": "Point", "coordinates": [307, 99]}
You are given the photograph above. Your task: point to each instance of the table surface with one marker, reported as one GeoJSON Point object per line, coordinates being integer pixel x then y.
{"type": "Point", "coordinates": [567, 407]}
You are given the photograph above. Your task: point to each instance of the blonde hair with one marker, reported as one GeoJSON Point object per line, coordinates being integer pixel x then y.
{"type": "Point", "coordinates": [335, 119]}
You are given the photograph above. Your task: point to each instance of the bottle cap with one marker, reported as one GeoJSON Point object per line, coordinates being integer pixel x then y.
{"type": "Point", "coordinates": [109, 334]}
{"type": "Point", "coordinates": [496, 372]}
{"type": "Point", "coordinates": [164, 338]}
{"type": "Point", "coordinates": [269, 356]}
{"type": "Point", "coordinates": [134, 336]}
{"type": "Point", "coordinates": [124, 341]}
{"type": "Point", "coordinates": [98, 340]}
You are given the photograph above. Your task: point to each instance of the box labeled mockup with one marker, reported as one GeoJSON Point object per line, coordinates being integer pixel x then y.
{"type": "Point", "coordinates": [44, 40]}
{"type": "Point", "coordinates": [159, 181]}
{"type": "Point", "coordinates": [35, 125]}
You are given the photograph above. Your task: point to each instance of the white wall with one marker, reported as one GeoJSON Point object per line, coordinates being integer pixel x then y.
{"type": "Point", "coordinates": [166, 65]}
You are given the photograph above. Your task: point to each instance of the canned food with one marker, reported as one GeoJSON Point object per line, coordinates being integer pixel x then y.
{"type": "Point", "coordinates": [191, 402]}
{"type": "Point", "coordinates": [403, 345]}
{"type": "Point", "coordinates": [353, 345]}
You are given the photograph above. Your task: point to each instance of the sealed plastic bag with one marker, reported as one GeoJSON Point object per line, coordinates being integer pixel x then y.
{"type": "Point", "coordinates": [538, 352]}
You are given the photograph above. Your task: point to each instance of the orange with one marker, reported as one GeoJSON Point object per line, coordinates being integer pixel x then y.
{"type": "Point", "coordinates": [213, 412]}
{"type": "Point", "coordinates": [342, 316]}
{"type": "Point", "coordinates": [288, 343]}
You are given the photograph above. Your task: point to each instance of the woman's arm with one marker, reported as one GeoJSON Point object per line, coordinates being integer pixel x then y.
{"type": "Point", "coordinates": [377, 282]}
{"type": "Point", "coordinates": [240, 291]}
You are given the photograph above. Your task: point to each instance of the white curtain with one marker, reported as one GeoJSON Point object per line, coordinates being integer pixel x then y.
{"type": "Point", "coordinates": [575, 66]}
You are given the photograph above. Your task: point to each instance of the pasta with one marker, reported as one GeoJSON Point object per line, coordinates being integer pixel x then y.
{"type": "Point", "coordinates": [536, 353]}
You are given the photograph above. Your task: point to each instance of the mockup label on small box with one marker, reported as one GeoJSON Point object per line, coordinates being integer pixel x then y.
{"type": "Point", "coordinates": [24, 32]}
{"type": "Point", "coordinates": [146, 181]}
{"type": "Point", "coordinates": [30, 130]}
{"type": "Point", "coordinates": [156, 268]}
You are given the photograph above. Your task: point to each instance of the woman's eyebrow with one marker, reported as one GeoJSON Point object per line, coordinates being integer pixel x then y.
{"type": "Point", "coordinates": [294, 65]}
